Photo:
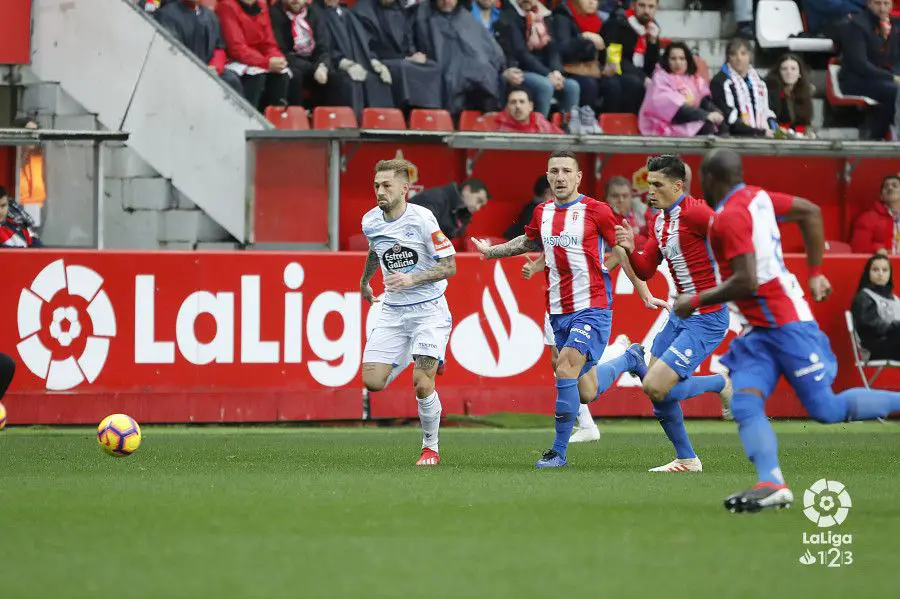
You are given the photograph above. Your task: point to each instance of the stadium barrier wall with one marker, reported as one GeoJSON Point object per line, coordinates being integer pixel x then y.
{"type": "Point", "coordinates": [265, 337]}
{"type": "Point", "coordinates": [842, 186]}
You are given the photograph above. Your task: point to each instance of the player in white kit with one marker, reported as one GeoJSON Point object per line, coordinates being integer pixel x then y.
{"type": "Point", "coordinates": [416, 259]}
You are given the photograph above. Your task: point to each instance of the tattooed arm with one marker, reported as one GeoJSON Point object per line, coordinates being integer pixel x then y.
{"type": "Point", "coordinates": [369, 271]}
{"type": "Point", "coordinates": [513, 247]}
{"type": "Point", "coordinates": [444, 269]}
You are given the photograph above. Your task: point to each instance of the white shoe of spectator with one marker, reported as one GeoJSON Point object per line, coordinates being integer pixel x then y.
{"type": "Point", "coordinates": [575, 122]}
{"type": "Point", "coordinates": [588, 119]}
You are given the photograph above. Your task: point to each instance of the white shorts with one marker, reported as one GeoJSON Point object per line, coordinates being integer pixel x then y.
{"type": "Point", "coordinates": [549, 337]}
{"type": "Point", "coordinates": [402, 332]}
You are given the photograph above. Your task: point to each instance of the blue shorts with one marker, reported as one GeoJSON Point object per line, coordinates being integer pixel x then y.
{"type": "Point", "coordinates": [684, 344]}
{"type": "Point", "coordinates": [586, 330]}
{"type": "Point", "coordinates": [800, 351]}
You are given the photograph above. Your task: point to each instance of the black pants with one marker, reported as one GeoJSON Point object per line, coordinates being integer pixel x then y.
{"type": "Point", "coordinates": [882, 91]}
{"type": "Point", "coordinates": [7, 370]}
{"type": "Point", "coordinates": [267, 89]}
{"type": "Point", "coordinates": [885, 348]}
{"type": "Point", "coordinates": [621, 93]}
{"type": "Point", "coordinates": [590, 91]}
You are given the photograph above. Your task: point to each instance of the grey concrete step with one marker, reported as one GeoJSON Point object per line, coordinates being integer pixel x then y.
{"type": "Point", "coordinates": [693, 24]}
{"type": "Point", "coordinates": [190, 226]}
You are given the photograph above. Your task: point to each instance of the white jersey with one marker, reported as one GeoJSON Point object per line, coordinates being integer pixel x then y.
{"type": "Point", "coordinates": [410, 244]}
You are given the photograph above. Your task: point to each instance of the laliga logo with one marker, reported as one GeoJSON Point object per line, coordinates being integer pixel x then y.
{"type": "Point", "coordinates": [60, 368]}
{"type": "Point", "coordinates": [519, 348]}
{"type": "Point", "coordinates": [821, 495]}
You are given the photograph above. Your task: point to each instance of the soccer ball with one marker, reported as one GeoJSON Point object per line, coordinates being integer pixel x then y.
{"type": "Point", "coordinates": [119, 435]}
{"type": "Point", "coordinates": [2, 416]}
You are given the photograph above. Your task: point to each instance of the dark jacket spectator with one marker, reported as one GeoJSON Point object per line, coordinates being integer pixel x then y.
{"type": "Point", "coordinates": [631, 54]}
{"type": "Point", "coordinates": [825, 16]}
{"type": "Point", "coordinates": [542, 193]}
{"type": "Point", "coordinates": [361, 80]}
{"type": "Point", "coordinates": [741, 95]}
{"type": "Point", "coordinates": [576, 29]}
{"type": "Point", "coordinates": [197, 28]}
{"type": "Point", "coordinates": [252, 51]}
{"type": "Point", "coordinates": [637, 33]}
{"type": "Point", "coordinates": [526, 26]}
{"type": "Point", "coordinates": [305, 42]}
{"type": "Point", "coordinates": [878, 229]}
{"type": "Point", "coordinates": [453, 205]}
{"type": "Point", "coordinates": [876, 310]}
{"type": "Point", "coordinates": [416, 81]}
{"type": "Point", "coordinates": [790, 94]}
{"type": "Point", "coordinates": [870, 63]}
{"type": "Point", "coordinates": [471, 61]}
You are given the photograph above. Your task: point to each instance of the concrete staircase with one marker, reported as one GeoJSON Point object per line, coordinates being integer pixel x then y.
{"type": "Point", "coordinates": [142, 210]}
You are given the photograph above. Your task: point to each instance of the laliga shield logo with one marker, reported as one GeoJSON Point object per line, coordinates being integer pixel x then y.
{"type": "Point", "coordinates": [89, 328]}
{"type": "Point", "coordinates": [519, 348]}
{"type": "Point", "coordinates": [826, 503]}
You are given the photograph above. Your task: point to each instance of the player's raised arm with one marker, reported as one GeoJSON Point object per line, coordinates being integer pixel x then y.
{"type": "Point", "coordinates": [533, 266]}
{"type": "Point", "coordinates": [808, 217]}
{"type": "Point", "coordinates": [513, 247]}
{"type": "Point", "coordinates": [369, 271]}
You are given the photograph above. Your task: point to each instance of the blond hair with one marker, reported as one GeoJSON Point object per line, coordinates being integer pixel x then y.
{"type": "Point", "coordinates": [401, 168]}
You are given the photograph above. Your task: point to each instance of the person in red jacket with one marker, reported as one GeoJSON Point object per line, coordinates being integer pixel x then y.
{"type": "Point", "coordinates": [520, 116]}
{"type": "Point", "coordinates": [253, 53]}
{"type": "Point", "coordinates": [877, 230]}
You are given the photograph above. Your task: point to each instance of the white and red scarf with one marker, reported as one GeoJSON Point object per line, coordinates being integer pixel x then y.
{"type": "Point", "coordinates": [644, 34]}
{"type": "Point", "coordinates": [537, 34]}
{"type": "Point", "coordinates": [304, 42]}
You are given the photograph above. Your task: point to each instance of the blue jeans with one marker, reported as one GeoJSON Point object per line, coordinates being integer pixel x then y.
{"type": "Point", "coordinates": [542, 92]}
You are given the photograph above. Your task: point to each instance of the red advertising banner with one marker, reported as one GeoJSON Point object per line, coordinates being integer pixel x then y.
{"type": "Point", "coordinates": [264, 336]}
{"type": "Point", "coordinates": [15, 32]}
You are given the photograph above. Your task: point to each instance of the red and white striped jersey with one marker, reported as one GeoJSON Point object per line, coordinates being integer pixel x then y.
{"type": "Point", "coordinates": [678, 234]}
{"type": "Point", "coordinates": [575, 236]}
{"type": "Point", "coordinates": [746, 222]}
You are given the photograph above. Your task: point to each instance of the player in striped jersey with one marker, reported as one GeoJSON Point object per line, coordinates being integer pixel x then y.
{"type": "Point", "coordinates": [573, 231]}
{"type": "Point", "coordinates": [678, 235]}
{"type": "Point", "coordinates": [782, 337]}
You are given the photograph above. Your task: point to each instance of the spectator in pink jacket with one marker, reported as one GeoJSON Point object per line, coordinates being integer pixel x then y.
{"type": "Point", "coordinates": [677, 102]}
{"type": "Point", "coordinates": [877, 230]}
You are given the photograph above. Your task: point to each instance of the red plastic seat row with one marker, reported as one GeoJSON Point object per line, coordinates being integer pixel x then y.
{"type": "Point", "coordinates": [342, 117]}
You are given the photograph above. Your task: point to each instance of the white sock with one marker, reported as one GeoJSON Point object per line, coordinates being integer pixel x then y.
{"type": "Point", "coordinates": [430, 417]}
{"type": "Point", "coordinates": [585, 420]}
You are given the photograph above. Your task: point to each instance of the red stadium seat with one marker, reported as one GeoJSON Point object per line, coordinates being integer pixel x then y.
{"type": "Point", "coordinates": [334, 117]}
{"type": "Point", "coordinates": [833, 89]}
{"type": "Point", "coordinates": [619, 123]}
{"type": "Point", "coordinates": [837, 247]}
{"type": "Point", "coordinates": [383, 118]}
{"type": "Point", "coordinates": [557, 119]}
{"type": "Point", "coordinates": [288, 117]}
{"type": "Point", "coordinates": [472, 120]}
{"type": "Point", "coordinates": [430, 120]}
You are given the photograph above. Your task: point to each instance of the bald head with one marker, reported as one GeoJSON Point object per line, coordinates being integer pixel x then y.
{"type": "Point", "coordinates": [720, 171]}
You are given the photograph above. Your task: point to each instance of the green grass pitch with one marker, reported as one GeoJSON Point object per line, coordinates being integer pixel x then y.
{"type": "Point", "coordinates": [295, 512]}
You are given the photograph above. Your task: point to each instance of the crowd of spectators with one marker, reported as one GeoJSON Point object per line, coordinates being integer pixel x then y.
{"type": "Point", "coordinates": [575, 57]}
